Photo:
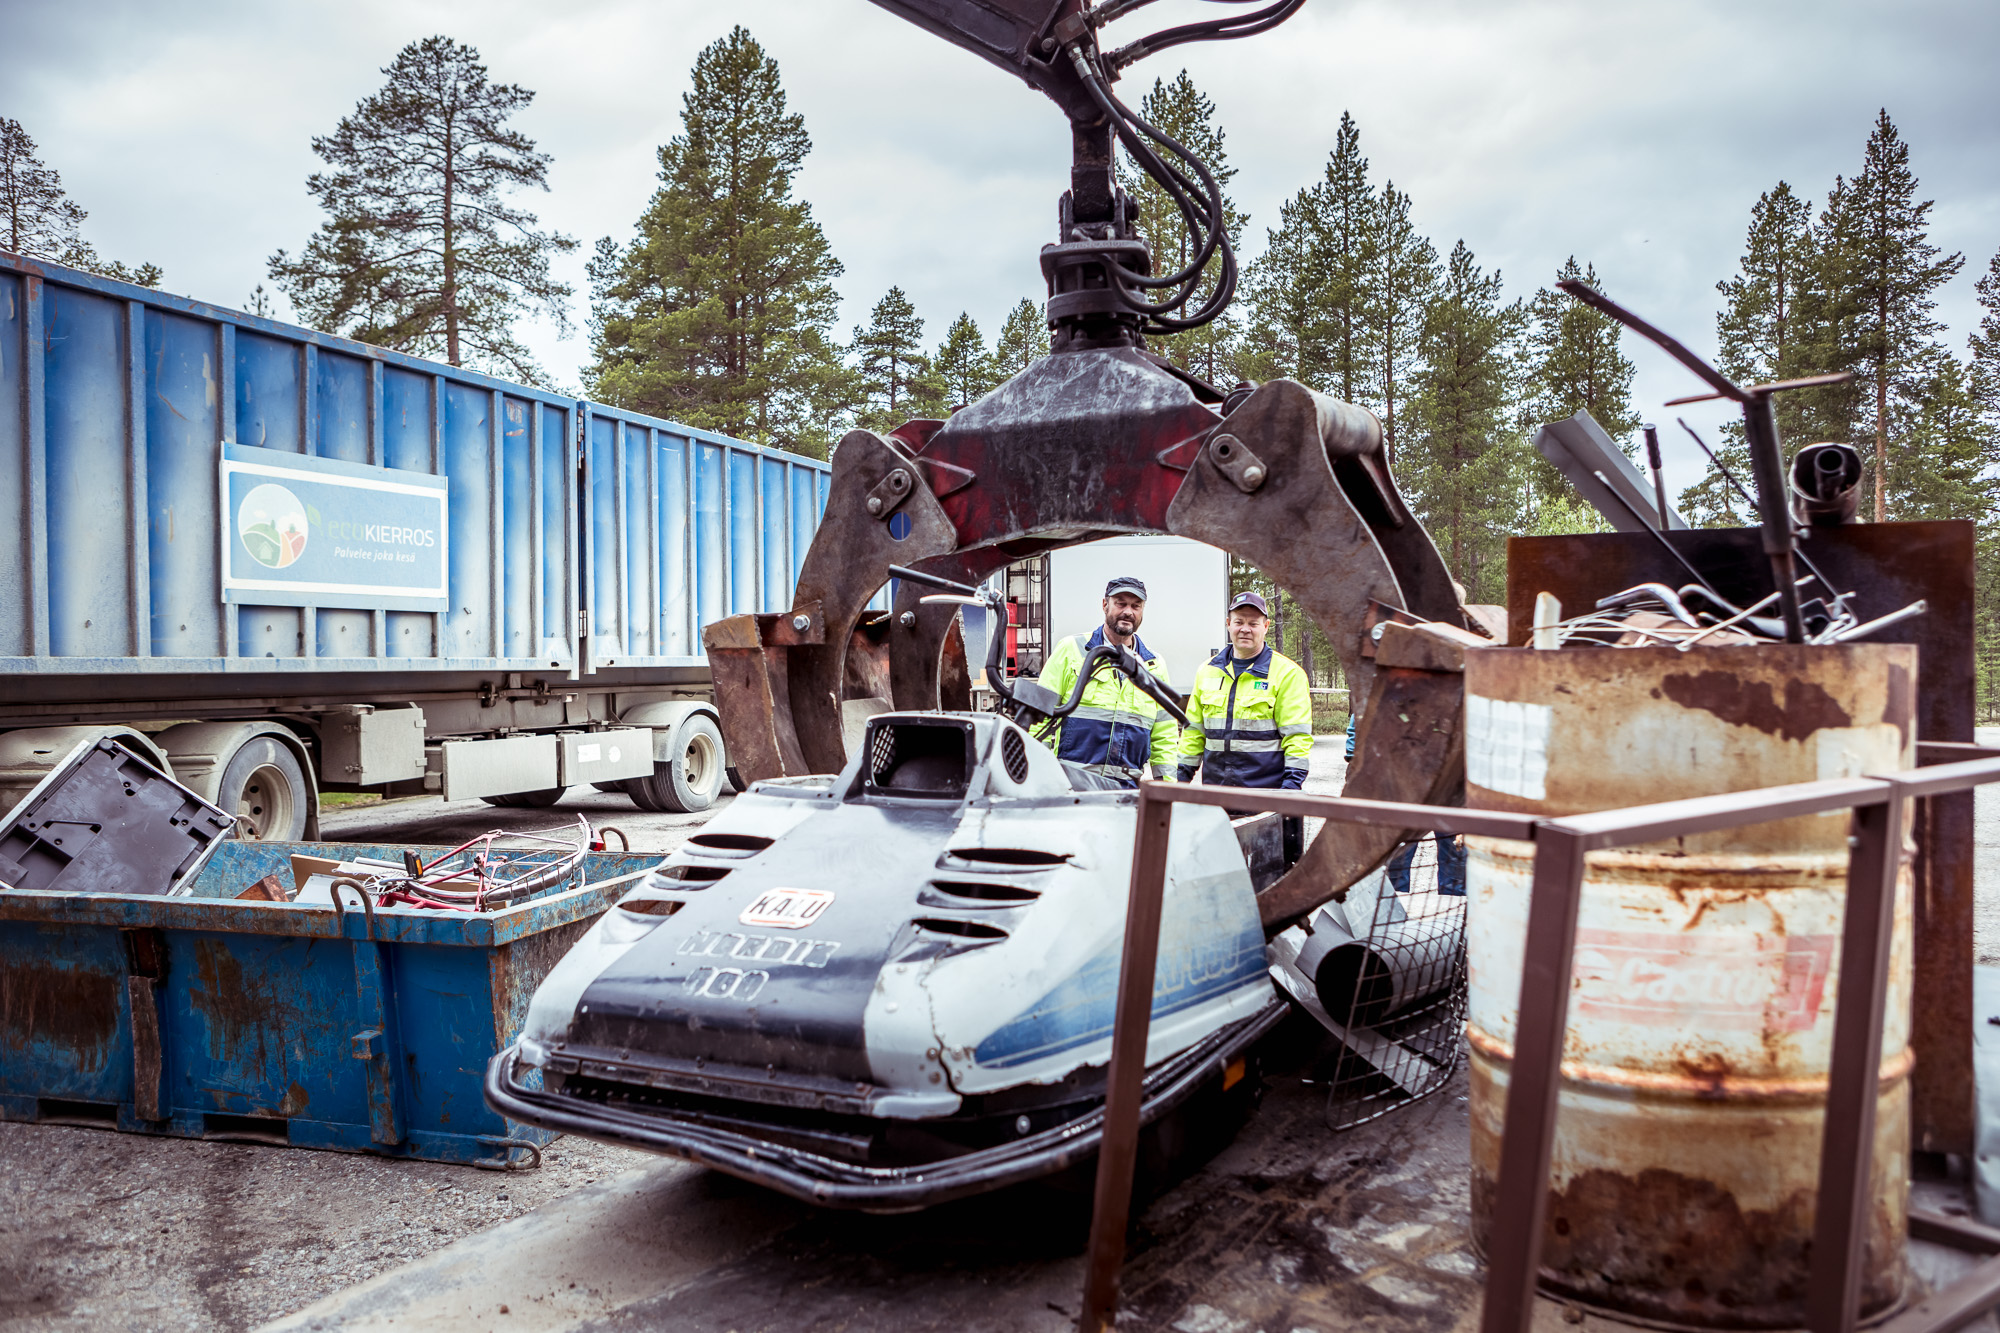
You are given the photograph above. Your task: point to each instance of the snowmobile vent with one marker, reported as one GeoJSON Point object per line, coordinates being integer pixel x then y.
{"type": "Point", "coordinates": [694, 874]}
{"type": "Point", "coordinates": [964, 930]}
{"type": "Point", "coordinates": [999, 895]}
{"type": "Point", "coordinates": [1017, 858]}
{"type": "Point", "coordinates": [927, 760]}
{"type": "Point", "coordinates": [1014, 754]}
{"type": "Point", "coordinates": [729, 844]}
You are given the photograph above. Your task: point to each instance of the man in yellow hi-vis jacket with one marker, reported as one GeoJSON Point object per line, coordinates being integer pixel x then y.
{"type": "Point", "coordinates": [1250, 715]}
{"type": "Point", "coordinates": [1116, 731]}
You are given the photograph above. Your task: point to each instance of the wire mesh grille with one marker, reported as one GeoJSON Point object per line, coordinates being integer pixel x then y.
{"type": "Point", "coordinates": [1014, 754]}
{"type": "Point", "coordinates": [881, 753]}
{"type": "Point", "coordinates": [1399, 993]}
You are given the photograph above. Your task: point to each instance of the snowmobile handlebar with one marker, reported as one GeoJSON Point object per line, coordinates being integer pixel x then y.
{"type": "Point", "coordinates": [1124, 660]}
{"type": "Point", "coordinates": [1119, 658]}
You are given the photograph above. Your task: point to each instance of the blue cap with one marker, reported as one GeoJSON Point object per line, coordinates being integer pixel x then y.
{"type": "Point", "coordinates": [1253, 601]}
{"type": "Point", "coordinates": [1125, 583]}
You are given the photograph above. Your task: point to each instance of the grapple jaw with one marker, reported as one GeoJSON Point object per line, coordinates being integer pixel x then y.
{"type": "Point", "coordinates": [1089, 444]}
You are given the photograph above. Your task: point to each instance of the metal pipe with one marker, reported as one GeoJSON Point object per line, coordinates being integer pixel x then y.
{"type": "Point", "coordinates": [1846, 1159]}
{"type": "Point", "coordinates": [1521, 1195]}
{"type": "Point", "coordinates": [1659, 473]}
{"type": "Point", "coordinates": [1760, 430]}
{"type": "Point", "coordinates": [1117, 1156]}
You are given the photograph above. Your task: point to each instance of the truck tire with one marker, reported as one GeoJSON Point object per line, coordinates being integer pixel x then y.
{"type": "Point", "coordinates": [527, 800]}
{"type": "Point", "coordinates": [264, 787]}
{"type": "Point", "coordinates": [692, 778]}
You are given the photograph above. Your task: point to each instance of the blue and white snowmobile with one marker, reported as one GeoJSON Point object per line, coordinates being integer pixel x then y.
{"type": "Point", "coordinates": [894, 986]}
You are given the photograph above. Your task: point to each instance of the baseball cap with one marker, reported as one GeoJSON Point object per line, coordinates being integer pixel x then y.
{"type": "Point", "coordinates": [1251, 600]}
{"type": "Point", "coordinates": [1125, 583]}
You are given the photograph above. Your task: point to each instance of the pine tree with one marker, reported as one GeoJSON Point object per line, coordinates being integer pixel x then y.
{"type": "Point", "coordinates": [963, 367]}
{"type": "Point", "coordinates": [1985, 344]}
{"type": "Point", "coordinates": [1957, 451]}
{"type": "Point", "coordinates": [41, 221]}
{"type": "Point", "coordinates": [1573, 365]}
{"type": "Point", "coordinates": [1402, 274]}
{"type": "Point", "coordinates": [1340, 265]}
{"type": "Point", "coordinates": [1187, 114]}
{"type": "Point", "coordinates": [1285, 321]}
{"type": "Point", "coordinates": [1457, 464]}
{"type": "Point", "coordinates": [1763, 336]}
{"type": "Point", "coordinates": [896, 378]}
{"type": "Point", "coordinates": [1886, 268]}
{"type": "Point", "coordinates": [720, 312]}
{"type": "Point", "coordinates": [1024, 340]}
{"type": "Point", "coordinates": [420, 251]}
{"type": "Point", "coordinates": [1310, 290]}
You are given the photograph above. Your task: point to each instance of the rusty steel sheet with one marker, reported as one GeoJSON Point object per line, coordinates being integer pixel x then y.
{"type": "Point", "coordinates": [1888, 565]}
{"type": "Point", "coordinates": [1696, 1061]}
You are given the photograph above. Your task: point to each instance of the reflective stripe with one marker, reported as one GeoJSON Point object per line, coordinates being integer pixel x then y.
{"type": "Point", "coordinates": [1256, 745]}
{"type": "Point", "coordinates": [1094, 713]}
{"type": "Point", "coordinates": [1163, 770]}
{"type": "Point", "coordinates": [1296, 729]}
{"type": "Point", "coordinates": [1260, 726]}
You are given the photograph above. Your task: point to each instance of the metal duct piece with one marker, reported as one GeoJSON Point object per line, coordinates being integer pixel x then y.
{"type": "Point", "coordinates": [1826, 484]}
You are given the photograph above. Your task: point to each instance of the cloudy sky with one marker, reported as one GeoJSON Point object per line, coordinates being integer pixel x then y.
{"type": "Point", "coordinates": [1634, 136]}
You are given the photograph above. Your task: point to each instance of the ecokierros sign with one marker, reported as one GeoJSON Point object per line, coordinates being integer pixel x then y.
{"type": "Point", "coordinates": [303, 531]}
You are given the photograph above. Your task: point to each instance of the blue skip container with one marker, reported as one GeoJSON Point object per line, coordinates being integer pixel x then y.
{"type": "Point", "coordinates": [285, 1023]}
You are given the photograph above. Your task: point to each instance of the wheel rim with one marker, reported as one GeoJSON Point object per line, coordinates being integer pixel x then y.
{"type": "Point", "coordinates": [264, 810]}
{"type": "Point", "coordinates": [701, 764]}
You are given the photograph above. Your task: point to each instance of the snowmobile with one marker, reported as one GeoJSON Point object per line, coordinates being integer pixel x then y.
{"type": "Point", "coordinates": [894, 986]}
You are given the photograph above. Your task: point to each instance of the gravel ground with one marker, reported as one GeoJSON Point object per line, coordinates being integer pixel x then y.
{"type": "Point", "coordinates": [104, 1230]}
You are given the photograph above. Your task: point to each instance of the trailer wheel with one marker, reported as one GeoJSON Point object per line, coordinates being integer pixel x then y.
{"type": "Point", "coordinates": [266, 790]}
{"type": "Point", "coordinates": [527, 800]}
{"type": "Point", "coordinates": [692, 778]}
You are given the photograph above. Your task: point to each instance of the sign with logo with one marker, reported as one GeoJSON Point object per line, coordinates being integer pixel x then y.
{"type": "Point", "coordinates": [303, 531]}
{"type": "Point", "coordinates": [1724, 982]}
{"type": "Point", "coordinates": [786, 909]}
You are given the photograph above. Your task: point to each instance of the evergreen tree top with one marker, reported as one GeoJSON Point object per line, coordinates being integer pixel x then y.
{"type": "Point", "coordinates": [739, 140]}
{"type": "Point", "coordinates": [420, 250]}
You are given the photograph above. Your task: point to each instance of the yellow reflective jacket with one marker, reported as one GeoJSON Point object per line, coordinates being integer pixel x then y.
{"type": "Point", "coordinates": [1251, 728]}
{"type": "Point", "coordinates": [1116, 730]}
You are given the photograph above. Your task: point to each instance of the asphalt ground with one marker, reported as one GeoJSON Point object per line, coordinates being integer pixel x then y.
{"type": "Point", "coordinates": [1289, 1227]}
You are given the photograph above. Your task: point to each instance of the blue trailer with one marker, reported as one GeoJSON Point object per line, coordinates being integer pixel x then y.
{"type": "Point", "coordinates": [334, 567]}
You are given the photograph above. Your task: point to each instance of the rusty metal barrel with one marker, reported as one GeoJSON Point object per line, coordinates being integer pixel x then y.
{"type": "Point", "coordinates": [1694, 1078]}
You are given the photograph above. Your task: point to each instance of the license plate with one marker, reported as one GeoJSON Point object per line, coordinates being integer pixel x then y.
{"type": "Point", "coordinates": [786, 909]}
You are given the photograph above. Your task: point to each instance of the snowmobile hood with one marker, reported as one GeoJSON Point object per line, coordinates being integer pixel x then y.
{"type": "Point", "coordinates": [774, 964]}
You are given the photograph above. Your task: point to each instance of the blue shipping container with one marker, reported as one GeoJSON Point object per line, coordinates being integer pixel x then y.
{"type": "Point", "coordinates": [198, 490]}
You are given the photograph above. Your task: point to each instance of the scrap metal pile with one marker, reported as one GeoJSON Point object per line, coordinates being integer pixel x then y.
{"type": "Point", "coordinates": [1821, 489]}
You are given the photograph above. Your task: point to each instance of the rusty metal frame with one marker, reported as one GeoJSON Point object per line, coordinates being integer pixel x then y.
{"type": "Point", "coordinates": [1521, 1196]}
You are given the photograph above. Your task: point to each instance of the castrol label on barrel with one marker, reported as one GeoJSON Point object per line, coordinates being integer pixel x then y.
{"type": "Point", "coordinates": [1702, 981]}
